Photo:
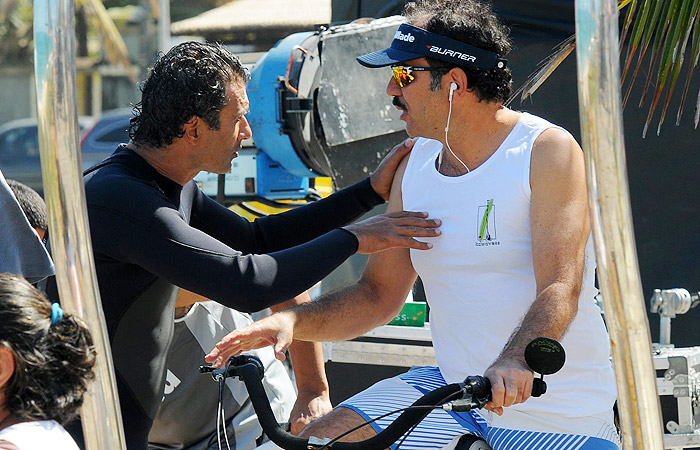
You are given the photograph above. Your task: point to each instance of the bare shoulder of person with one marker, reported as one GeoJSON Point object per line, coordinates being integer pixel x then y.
{"type": "Point", "coordinates": [556, 158]}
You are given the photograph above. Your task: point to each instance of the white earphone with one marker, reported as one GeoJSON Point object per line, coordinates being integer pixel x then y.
{"type": "Point", "coordinates": [453, 88]}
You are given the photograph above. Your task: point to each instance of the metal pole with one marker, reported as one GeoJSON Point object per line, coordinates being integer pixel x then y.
{"type": "Point", "coordinates": [618, 273]}
{"type": "Point", "coordinates": [54, 67]}
{"type": "Point", "coordinates": [164, 26]}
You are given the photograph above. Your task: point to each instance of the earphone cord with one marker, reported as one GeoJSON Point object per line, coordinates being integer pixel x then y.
{"type": "Point", "coordinates": [447, 142]}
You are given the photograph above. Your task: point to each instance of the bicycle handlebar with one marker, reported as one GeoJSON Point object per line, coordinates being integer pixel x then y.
{"type": "Point", "coordinates": [247, 367]}
{"type": "Point", "coordinates": [473, 393]}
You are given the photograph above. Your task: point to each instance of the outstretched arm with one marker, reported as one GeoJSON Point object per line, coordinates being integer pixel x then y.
{"type": "Point", "coordinates": [345, 314]}
{"type": "Point", "coordinates": [560, 229]}
{"type": "Point", "coordinates": [299, 225]}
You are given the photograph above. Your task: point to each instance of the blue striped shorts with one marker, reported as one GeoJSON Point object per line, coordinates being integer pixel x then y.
{"type": "Point", "coordinates": [442, 429]}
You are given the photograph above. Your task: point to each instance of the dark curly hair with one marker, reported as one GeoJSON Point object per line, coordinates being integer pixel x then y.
{"type": "Point", "coordinates": [33, 206]}
{"type": "Point", "coordinates": [190, 80]}
{"type": "Point", "coordinates": [53, 363]}
{"type": "Point", "coordinates": [473, 23]}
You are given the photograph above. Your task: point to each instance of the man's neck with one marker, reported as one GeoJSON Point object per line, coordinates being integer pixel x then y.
{"type": "Point", "coordinates": [478, 136]}
{"type": "Point", "coordinates": [167, 161]}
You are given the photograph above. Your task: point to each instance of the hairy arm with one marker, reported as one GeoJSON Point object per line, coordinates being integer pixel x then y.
{"type": "Point", "coordinates": [560, 228]}
{"type": "Point", "coordinates": [345, 314]}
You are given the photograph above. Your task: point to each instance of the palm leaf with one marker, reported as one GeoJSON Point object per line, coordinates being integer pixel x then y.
{"type": "Point", "coordinates": [638, 31]}
{"type": "Point", "coordinates": [642, 34]}
{"type": "Point", "coordinates": [656, 37]}
{"type": "Point", "coordinates": [667, 53]}
{"type": "Point", "coordinates": [658, 31]}
{"type": "Point", "coordinates": [686, 22]}
{"type": "Point", "coordinates": [544, 70]}
{"type": "Point", "coordinates": [628, 19]}
{"type": "Point", "coordinates": [695, 55]}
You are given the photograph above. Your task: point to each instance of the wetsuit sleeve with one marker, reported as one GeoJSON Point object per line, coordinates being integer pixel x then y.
{"type": "Point", "coordinates": [165, 245]}
{"type": "Point", "coordinates": [280, 231]}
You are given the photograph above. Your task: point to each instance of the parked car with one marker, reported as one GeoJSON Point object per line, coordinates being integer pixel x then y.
{"type": "Point", "coordinates": [19, 151]}
{"type": "Point", "coordinates": [108, 131]}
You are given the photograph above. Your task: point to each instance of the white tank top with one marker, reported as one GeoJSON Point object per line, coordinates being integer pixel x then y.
{"type": "Point", "coordinates": [479, 278]}
{"type": "Point", "coordinates": [43, 434]}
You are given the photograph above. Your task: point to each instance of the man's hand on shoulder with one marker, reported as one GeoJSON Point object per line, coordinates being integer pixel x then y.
{"type": "Point", "coordinates": [396, 229]}
{"type": "Point", "coordinates": [382, 178]}
{"type": "Point", "coordinates": [511, 383]}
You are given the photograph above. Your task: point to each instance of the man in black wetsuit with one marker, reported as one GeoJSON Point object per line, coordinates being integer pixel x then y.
{"type": "Point", "coordinates": [153, 230]}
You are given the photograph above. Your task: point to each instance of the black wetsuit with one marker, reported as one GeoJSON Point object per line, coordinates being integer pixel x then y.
{"type": "Point", "coordinates": [150, 234]}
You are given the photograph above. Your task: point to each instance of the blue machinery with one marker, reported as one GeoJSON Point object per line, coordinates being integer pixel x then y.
{"type": "Point", "coordinates": [314, 112]}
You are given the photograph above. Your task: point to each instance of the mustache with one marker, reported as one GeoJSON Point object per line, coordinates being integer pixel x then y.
{"type": "Point", "coordinates": [397, 102]}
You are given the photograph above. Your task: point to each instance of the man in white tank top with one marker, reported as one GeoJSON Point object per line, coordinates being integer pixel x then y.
{"type": "Point", "coordinates": [514, 259]}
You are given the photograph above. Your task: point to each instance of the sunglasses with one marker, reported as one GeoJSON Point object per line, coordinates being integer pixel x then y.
{"type": "Point", "coordinates": [403, 75]}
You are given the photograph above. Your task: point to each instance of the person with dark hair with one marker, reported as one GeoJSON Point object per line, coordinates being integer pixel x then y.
{"type": "Point", "coordinates": [21, 252]}
{"type": "Point", "coordinates": [514, 262]}
{"type": "Point", "coordinates": [46, 363]}
{"type": "Point", "coordinates": [153, 230]}
{"type": "Point", "coordinates": [33, 206]}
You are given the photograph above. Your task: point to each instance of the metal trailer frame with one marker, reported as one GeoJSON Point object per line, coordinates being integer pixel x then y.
{"type": "Point", "coordinates": [54, 67]}
{"type": "Point", "coordinates": [601, 120]}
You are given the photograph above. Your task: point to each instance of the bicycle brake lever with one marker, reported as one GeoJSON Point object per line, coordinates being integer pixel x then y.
{"type": "Point", "coordinates": [232, 369]}
{"type": "Point", "coordinates": [476, 393]}
{"type": "Point", "coordinates": [216, 374]}
{"type": "Point", "coordinates": [465, 404]}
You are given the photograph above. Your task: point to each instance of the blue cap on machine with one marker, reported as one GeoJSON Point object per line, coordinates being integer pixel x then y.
{"type": "Point", "coordinates": [411, 42]}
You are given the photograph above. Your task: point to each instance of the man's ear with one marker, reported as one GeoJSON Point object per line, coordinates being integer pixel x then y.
{"type": "Point", "coordinates": [457, 76]}
{"type": "Point", "coordinates": [7, 365]}
{"type": "Point", "coordinates": [192, 129]}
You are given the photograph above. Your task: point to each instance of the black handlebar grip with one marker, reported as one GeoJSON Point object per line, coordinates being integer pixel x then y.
{"type": "Point", "coordinates": [483, 391]}
{"type": "Point", "coordinates": [539, 387]}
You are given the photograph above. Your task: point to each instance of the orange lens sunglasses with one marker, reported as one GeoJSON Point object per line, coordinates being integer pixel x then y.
{"type": "Point", "coordinates": [403, 75]}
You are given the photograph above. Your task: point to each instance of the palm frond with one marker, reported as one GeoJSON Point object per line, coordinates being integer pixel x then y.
{"type": "Point", "coordinates": [641, 35]}
{"type": "Point", "coordinates": [664, 33]}
{"type": "Point", "coordinates": [668, 52]}
{"type": "Point", "coordinates": [544, 70]}
{"type": "Point", "coordinates": [637, 34]}
{"type": "Point", "coordinates": [628, 18]}
{"type": "Point", "coordinates": [697, 110]}
{"type": "Point", "coordinates": [685, 26]}
{"type": "Point", "coordinates": [661, 30]}
{"type": "Point", "coordinates": [695, 55]}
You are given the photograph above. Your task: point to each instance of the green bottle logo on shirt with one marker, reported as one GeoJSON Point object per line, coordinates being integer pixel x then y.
{"type": "Point", "coordinates": [486, 224]}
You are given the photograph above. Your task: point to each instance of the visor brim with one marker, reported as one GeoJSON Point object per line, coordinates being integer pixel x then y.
{"type": "Point", "coordinates": [386, 57]}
